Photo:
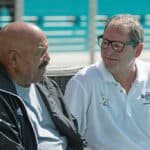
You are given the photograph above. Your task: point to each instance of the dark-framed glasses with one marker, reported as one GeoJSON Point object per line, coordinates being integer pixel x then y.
{"type": "Point", "coordinates": [117, 46]}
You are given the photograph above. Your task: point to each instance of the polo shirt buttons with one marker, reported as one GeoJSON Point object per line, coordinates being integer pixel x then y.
{"type": "Point", "coordinates": [116, 84]}
{"type": "Point", "coordinates": [121, 91]}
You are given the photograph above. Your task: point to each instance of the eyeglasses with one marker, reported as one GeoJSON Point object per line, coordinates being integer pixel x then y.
{"type": "Point", "coordinates": [117, 46]}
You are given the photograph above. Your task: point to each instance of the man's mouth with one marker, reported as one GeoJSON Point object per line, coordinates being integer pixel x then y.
{"type": "Point", "coordinates": [43, 65]}
{"type": "Point", "coordinates": [111, 58]}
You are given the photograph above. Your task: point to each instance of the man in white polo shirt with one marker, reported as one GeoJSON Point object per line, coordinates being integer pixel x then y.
{"type": "Point", "coordinates": [111, 98]}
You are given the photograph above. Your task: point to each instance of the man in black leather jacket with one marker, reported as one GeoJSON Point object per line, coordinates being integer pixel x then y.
{"type": "Point", "coordinates": [23, 58]}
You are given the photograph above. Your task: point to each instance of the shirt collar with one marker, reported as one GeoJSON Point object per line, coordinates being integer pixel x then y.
{"type": "Point", "coordinates": [108, 77]}
{"type": "Point", "coordinates": [142, 71]}
{"type": "Point", "coordinates": [105, 74]}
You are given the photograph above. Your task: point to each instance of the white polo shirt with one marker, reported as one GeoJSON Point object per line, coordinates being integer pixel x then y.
{"type": "Point", "coordinates": [109, 118]}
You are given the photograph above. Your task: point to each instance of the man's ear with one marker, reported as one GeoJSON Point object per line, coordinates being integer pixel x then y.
{"type": "Point", "coordinates": [139, 49]}
{"type": "Point", "coordinates": [12, 58]}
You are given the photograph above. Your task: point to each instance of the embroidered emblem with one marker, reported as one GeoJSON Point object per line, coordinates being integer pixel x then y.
{"type": "Point", "coordinates": [105, 100]}
{"type": "Point", "coordinates": [146, 98]}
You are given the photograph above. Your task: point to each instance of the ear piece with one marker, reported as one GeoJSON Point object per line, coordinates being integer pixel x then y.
{"type": "Point", "coordinates": [139, 49]}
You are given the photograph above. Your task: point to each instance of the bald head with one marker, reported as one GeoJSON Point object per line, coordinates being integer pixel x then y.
{"type": "Point", "coordinates": [19, 36]}
{"type": "Point", "coordinates": [23, 52]}
{"type": "Point", "coordinates": [19, 27]}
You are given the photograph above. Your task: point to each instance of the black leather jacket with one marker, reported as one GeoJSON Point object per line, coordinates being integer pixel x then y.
{"type": "Point", "coordinates": [16, 130]}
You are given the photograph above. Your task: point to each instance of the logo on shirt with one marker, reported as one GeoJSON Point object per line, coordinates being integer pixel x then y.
{"type": "Point", "coordinates": [146, 98]}
{"type": "Point", "coordinates": [104, 100]}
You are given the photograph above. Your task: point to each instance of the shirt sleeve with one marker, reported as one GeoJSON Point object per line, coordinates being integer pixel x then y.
{"type": "Point", "coordinates": [76, 99]}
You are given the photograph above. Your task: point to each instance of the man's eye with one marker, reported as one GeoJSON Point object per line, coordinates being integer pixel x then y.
{"type": "Point", "coordinates": [117, 45]}
{"type": "Point", "coordinates": [105, 42]}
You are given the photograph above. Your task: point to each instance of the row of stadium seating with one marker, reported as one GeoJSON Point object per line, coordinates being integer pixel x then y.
{"type": "Point", "coordinates": [70, 33]}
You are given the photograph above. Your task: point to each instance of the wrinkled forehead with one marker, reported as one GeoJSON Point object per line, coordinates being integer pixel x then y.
{"type": "Point", "coordinates": [118, 28]}
{"type": "Point", "coordinates": [40, 42]}
{"type": "Point", "coordinates": [116, 31]}
{"type": "Point", "coordinates": [119, 25]}
{"type": "Point", "coordinates": [33, 41]}
{"type": "Point", "coordinates": [23, 38]}
{"type": "Point", "coordinates": [37, 46]}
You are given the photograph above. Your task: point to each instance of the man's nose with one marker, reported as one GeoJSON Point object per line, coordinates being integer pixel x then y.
{"type": "Point", "coordinates": [46, 57]}
{"type": "Point", "coordinates": [109, 49]}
